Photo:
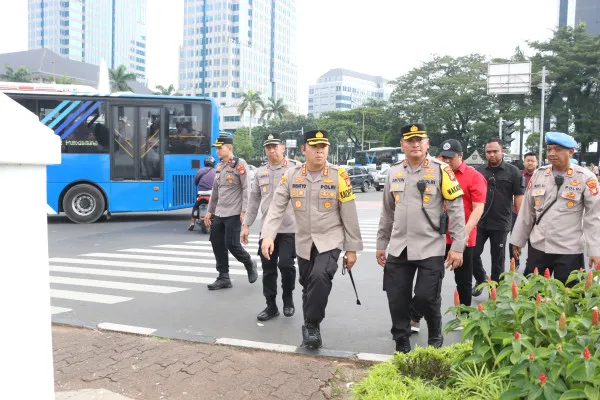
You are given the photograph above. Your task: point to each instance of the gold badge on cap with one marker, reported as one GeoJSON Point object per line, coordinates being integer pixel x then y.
{"type": "Point", "coordinates": [319, 135]}
{"type": "Point", "coordinates": [414, 128]}
{"type": "Point", "coordinates": [270, 137]}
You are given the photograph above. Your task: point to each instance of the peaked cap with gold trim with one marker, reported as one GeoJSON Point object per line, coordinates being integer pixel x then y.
{"type": "Point", "coordinates": [413, 130]}
{"type": "Point", "coordinates": [221, 140]}
{"type": "Point", "coordinates": [272, 138]}
{"type": "Point", "coordinates": [316, 137]}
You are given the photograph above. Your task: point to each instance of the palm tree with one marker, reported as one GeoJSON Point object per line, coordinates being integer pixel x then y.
{"type": "Point", "coordinates": [167, 91]}
{"type": "Point", "coordinates": [251, 101]}
{"type": "Point", "coordinates": [119, 78]}
{"type": "Point", "coordinates": [22, 74]}
{"type": "Point", "coordinates": [274, 108]}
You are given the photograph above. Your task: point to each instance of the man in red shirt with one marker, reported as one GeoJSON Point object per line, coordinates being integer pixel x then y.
{"type": "Point", "coordinates": [530, 164]}
{"type": "Point", "coordinates": [474, 186]}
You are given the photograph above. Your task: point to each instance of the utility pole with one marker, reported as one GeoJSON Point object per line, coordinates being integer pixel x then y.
{"type": "Point", "coordinates": [541, 149]}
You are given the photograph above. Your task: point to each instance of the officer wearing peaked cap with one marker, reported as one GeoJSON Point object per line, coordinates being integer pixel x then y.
{"type": "Point", "coordinates": [326, 224]}
{"type": "Point", "coordinates": [560, 213]}
{"type": "Point", "coordinates": [266, 179]}
{"type": "Point", "coordinates": [228, 202]}
{"type": "Point", "coordinates": [412, 227]}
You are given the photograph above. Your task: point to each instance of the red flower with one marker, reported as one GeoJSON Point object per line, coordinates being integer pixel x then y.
{"type": "Point", "coordinates": [586, 354]}
{"type": "Point", "coordinates": [531, 357]}
{"type": "Point", "coordinates": [538, 300]}
{"type": "Point", "coordinates": [456, 299]}
{"type": "Point", "coordinates": [589, 280]}
{"type": "Point", "coordinates": [493, 294]}
{"type": "Point", "coordinates": [559, 347]}
{"type": "Point", "coordinates": [480, 309]}
{"type": "Point", "coordinates": [598, 266]}
{"type": "Point", "coordinates": [536, 271]}
{"type": "Point", "coordinates": [490, 279]}
{"type": "Point", "coordinates": [513, 265]}
{"type": "Point", "coordinates": [542, 378]}
{"type": "Point", "coordinates": [562, 321]}
{"type": "Point", "coordinates": [595, 317]}
{"type": "Point", "coordinates": [517, 335]}
{"type": "Point", "coordinates": [547, 273]}
{"type": "Point", "coordinates": [515, 290]}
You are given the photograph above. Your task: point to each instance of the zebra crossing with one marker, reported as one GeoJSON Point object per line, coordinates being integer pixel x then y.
{"type": "Point", "coordinates": [161, 269]}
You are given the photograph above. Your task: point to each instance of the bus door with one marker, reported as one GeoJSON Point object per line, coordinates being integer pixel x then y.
{"type": "Point", "coordinates": [137, 161]}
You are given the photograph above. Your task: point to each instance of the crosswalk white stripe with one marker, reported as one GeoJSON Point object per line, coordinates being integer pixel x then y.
{"type": "Point", "coordinates": [128, 264]}
{"type": "Point", "coordinates": [135, 287]}
{"type": "Point", "coordinates": [151, 258]}
{"type": "Point", "coordinates": [58, 310]}
{"type": "Point", "coordinates": [89, 297]}
{"type": "Point", "coordinates": [138, 330]}
{"type": "Point", "coordinates": [249, 246]}
{"type": "Point", "coordinates": [203, 254]}
{"type": "Point", "coordinates": [130, 274]}
{"type": "Point", "coordinates": [208, 249]}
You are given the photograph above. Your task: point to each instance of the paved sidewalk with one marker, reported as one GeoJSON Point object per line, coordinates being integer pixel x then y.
{"type": "Point", "coordinates": [148, 368]}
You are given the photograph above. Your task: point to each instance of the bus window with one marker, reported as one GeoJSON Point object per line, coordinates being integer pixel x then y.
{"type": "Point", "coordinates": [149, 143]}
{"type": "Point", "coordinates": [123, 129]}
{"type": "Point", "coordinates": [188, 129]}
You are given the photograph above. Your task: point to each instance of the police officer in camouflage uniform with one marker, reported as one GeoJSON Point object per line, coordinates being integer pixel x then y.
{"type": "Point", "coordinates": [326, 223]}
{"type": "Point", "coordinates": [413, 226]}
{"type": "Point", "coordinates": [228, 203]}
{"type": "Point", "coordinates": [559, 214]}
{"type": "Point", "coordinates": [266, 179]}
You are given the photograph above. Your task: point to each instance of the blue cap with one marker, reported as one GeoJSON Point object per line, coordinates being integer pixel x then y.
{"type": "Point", "coordinates": [574, 161]}
{"type": "Point", "coordinates": [561, 139]}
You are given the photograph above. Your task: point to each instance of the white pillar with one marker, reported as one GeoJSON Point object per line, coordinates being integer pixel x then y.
{"type": "Point", "coordinates": [26, 147]}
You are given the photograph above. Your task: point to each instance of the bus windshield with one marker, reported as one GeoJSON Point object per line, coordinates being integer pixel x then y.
{"type": "Point", "coordinates": [379, 155]}
{"type": "Point", "coordinates": [122, 153]}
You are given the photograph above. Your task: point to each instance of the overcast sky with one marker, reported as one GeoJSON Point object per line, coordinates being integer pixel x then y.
{"type": "Point", "coordinates": [378, 37]}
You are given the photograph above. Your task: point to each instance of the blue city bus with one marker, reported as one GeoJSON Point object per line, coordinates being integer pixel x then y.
{"type": "Point", "coordinates": [379, 155]}
{"type": "Point", "coordinates": [122, 152]}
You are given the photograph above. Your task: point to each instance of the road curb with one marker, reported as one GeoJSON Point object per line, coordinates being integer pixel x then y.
{"type": "Point", "coordinates": [246, 344]}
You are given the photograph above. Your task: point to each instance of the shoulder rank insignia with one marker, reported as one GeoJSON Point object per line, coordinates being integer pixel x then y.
{"type": "Point", "coordinates": [592, 184]}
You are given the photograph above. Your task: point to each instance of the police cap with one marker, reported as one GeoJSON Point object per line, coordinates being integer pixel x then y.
{"type": "Point", "coordinates": [413, 130]}
{"type": "Point", "coordinates": [316, 137]}
{"type": "Point", "coordinates": [272, 138]}
{"type": "Point", "coordinates": [222, 139]}
{"type": "Point", "coordinates": [561, 139]}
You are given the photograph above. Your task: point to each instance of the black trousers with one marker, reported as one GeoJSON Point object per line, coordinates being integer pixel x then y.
{"type": "Point", "coordinates": [283, 257]}
{"type": "Point", "coordinates": [497, 250]}
{"type": "Point", "coordinates": [463, 277]}
{"type": "Point", "coordinates": [510, 246]}
{"type": "Point", "coordinates": [559, 264]}
{"type": "Point", "coordinates": [196, 209]}
{"type": "Point", "coordinates": [225, 236]}
{"type": "Point", "coordinates": [398, 276]}
{"type": "Point", "coordinates": [316, 276]}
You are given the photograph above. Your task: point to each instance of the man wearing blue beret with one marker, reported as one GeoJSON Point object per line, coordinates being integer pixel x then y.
{"type": "Point", "coordinates": [559, 214]}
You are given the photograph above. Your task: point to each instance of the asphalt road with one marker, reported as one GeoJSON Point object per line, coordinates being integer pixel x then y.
{"type": "Point", "coordinates": [141, 270]}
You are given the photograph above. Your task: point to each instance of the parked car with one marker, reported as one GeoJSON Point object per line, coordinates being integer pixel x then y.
{"type": "Point", "coordinates": [380, 178]}
{"type": "Point", "coordinates": [360, 178]}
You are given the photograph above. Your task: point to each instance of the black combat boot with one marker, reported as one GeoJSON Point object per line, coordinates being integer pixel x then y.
{"type": "Point", "coordinates": [288, 305]}
{"type": "Point", "coordinates": [252, 272]}
{"type": "Point", "coordinates": [222, 282]}
{"type": "Point", "coordinates": [403, 344]}
{"type": "Point", "coordinates": [435, 338]}
{"type": "Point", "coordinates": [270, 312]}
{"type": "Point", "coordinates": [312, 338]}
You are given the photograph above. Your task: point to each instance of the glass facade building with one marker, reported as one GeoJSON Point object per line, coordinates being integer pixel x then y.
{"type": "Point", "coordinates": [232, 46]}
{"type": "Point", "coordinates": [574, 12]}
{"type": "Point", "coordinates": [88, 31]}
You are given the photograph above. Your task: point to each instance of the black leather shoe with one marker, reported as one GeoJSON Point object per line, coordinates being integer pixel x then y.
{"type": "Point", "coordinates": [436, 340]}
{"type": "Point", "coordinates": [253, 273]}
{"type": "Point", "coordinates": [403, 345]}
{"type": "Point", "coordinates": [270, 312]}
{"type": "Point", "coordinates": [304, 336]}
{"type": "Point", "coordinates": [313, 336]}
{"type": "Point", "coordinates": [289, 310]}
{"type": "Point", "coordinates": [220, 283]}
{"type": "Point", "coordinates": [477, 292]}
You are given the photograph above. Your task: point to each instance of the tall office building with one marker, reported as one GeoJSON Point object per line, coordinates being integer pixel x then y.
{"type": "Point", "coordinates": [232, 46]}
{"type": "Point", "coordinates": [88, 31]}
{"type": "Point", "coordinates": [340, 89]}
{"type": "Point", "coordinates": [573, 12]}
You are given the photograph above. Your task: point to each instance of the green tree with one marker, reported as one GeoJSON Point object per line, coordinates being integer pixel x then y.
{"type": "Point", "coordinates": [274, 109]}
{"type": "Point", "coordinates": [65, 80]}
{"type": "Point", "coordinates": [22, 74]}
{"type": "Point", "coordinates": [251, 102]}
{"type": "Point", "coordinates": [167, 91]}
{"type": "Point", "coordinates": [533, 142]}
{"type": "Point", "coordinates": [242, 144]}
{"type": "Point", "coordinates": [450, 96]}
{"type": "Point", "coordinates": [119, 78]}
{"type": "Point", "coordinates": [572, 58]}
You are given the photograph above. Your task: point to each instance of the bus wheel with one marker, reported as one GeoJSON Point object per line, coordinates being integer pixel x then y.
{"type": "Point", "coordinates": [84, 204]}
